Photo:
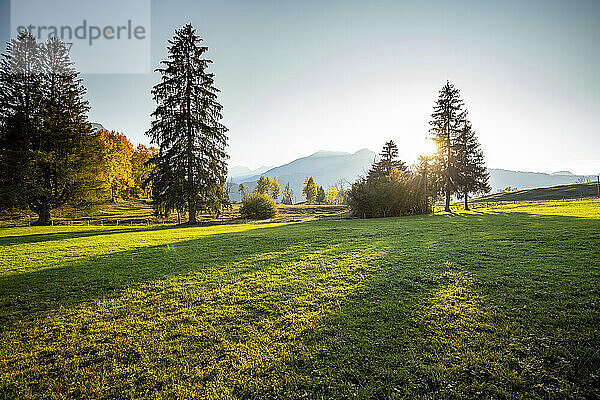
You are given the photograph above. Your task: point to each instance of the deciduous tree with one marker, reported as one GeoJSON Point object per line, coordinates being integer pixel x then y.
{"type": "Point", "coordinates": [274, 188]}
{"type": "Point", "coordinates": [263, 185]}
{"type": "Point", "coordinates": [142, 170]}
{"type": "Point", "coordinates": [45, 137]}
{"type": "Point", "coordinates": [331, 197]}
{"type": "Point", "coordinates": [242, 190]}
{"type": "Point", "coordinates": [116, 172]}
{"type": "Point", "coordinates": [309, 190]}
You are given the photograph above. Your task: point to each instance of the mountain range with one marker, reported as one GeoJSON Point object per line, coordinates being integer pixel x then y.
{"type": "Point", "coordinates": [341, 168]}
{"type": "Point", "coordinates": [327, 167]}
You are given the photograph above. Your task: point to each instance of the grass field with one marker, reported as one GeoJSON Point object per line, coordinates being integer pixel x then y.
{"type": "Point", "coordinates": [495, 303]}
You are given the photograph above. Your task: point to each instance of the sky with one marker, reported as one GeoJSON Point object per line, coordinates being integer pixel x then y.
{"type": "Point", "coordinates": [298, 77]}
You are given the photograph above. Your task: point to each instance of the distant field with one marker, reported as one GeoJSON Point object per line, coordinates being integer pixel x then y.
{"type": "Point", "coordinates": [499, 302]}
{"type": "Point", "coordinates": [562, 192]}
{"type": "Point", "coordinates": [140, 212]}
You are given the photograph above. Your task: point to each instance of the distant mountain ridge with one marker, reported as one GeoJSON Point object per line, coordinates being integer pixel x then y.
{"type": "Point", "coordinates": [327, 167]}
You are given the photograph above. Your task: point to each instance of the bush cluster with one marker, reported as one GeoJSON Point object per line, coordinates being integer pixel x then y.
{"type": "Point", "coordinates": [401, 193]}
{"type": "Point", "coordinates": [258, 206]}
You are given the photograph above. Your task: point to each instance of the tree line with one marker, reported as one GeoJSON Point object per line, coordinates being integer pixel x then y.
{"type": "Point", "coordinates": [311, 192]}
{"type": "Point", "coordinates": [50, 155]}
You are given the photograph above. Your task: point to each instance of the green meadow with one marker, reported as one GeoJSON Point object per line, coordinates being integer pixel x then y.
{"type": "Point", "coordinates": [499, 302]}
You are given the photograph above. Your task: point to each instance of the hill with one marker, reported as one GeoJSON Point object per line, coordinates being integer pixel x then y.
{"type": "Point", "coordinates": [561, 192]}
{"type": "Point", "coordinates": [502, 178]}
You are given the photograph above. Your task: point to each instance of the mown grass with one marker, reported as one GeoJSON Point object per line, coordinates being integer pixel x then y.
{"type": "Point", "coordinates": [494, 303]}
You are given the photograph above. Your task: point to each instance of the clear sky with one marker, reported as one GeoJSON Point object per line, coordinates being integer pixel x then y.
{"type": "Point", "coordinates": [301, 76]}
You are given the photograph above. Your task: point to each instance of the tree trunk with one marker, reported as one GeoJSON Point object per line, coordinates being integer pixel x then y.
{"type": "Point", "coordinates": [190, 154]}
{"type": "Point", "coordinates": [43, 212]}
{"type": "Point", "coordinates": [449, 155]}
{"type": "Point", "coordinates": [191, 213]}
{"type": "Point", "coordinates": [466, 202]}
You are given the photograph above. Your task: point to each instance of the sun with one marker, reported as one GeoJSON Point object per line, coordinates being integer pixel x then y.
{"type": "Point", "coordinates": [430, 147]}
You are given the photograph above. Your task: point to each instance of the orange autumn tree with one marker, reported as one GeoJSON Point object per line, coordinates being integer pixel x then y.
{"type": "Point", "coordinates": [141, 171]}
{"type": "Point", "coordinates": [116, 171]}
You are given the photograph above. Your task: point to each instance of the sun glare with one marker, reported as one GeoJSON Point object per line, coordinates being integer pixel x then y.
{"type": "Point", "coordinates": [430, 147]}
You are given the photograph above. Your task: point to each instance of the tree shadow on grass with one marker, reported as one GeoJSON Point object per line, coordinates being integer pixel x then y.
{"type": "Point", "coordinates": [224, 322]}
{"type": "Point", "coordinates": [512, 317]}
{"type": "Point", "coordinates": [407, 325]}
{"type": "Point", "coordinates": [74, 234]}
{"type": "Point", "coordinates": [28, 293]}
{"type": "Point", "coordinates": [440, 332]}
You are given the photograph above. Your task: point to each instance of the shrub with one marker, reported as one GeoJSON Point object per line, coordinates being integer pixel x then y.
{"type": "Point", "coordinates": [258, 206]}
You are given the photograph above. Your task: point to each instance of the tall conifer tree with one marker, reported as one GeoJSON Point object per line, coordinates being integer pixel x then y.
{"type": "Point", "coordinates": [191, 164]}
{"type": "Point", "coordinates": [447, 118]}
{"type": "Point", "coordinates": [471, 174]}
{"type": "Point", "coordinates": [321, 196]}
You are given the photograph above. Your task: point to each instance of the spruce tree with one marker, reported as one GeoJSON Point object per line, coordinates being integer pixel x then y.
{"type": "Point", "coordinates": [191, 164]}
{"type": "Point", "coordinates": [321, 195]}
{"type": "Point", "coordinates": [471, 174]}
{"type": "Point", "coordinates": [288, 194]}
{"type": "Point", "coordinates": [45, 138]}
{"type": "Point", "coordinates": [20, 115]}
{"type": "Point", "coordinates": [447, 118]}
{"type": "Point", "coordinates": [387, 161]}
